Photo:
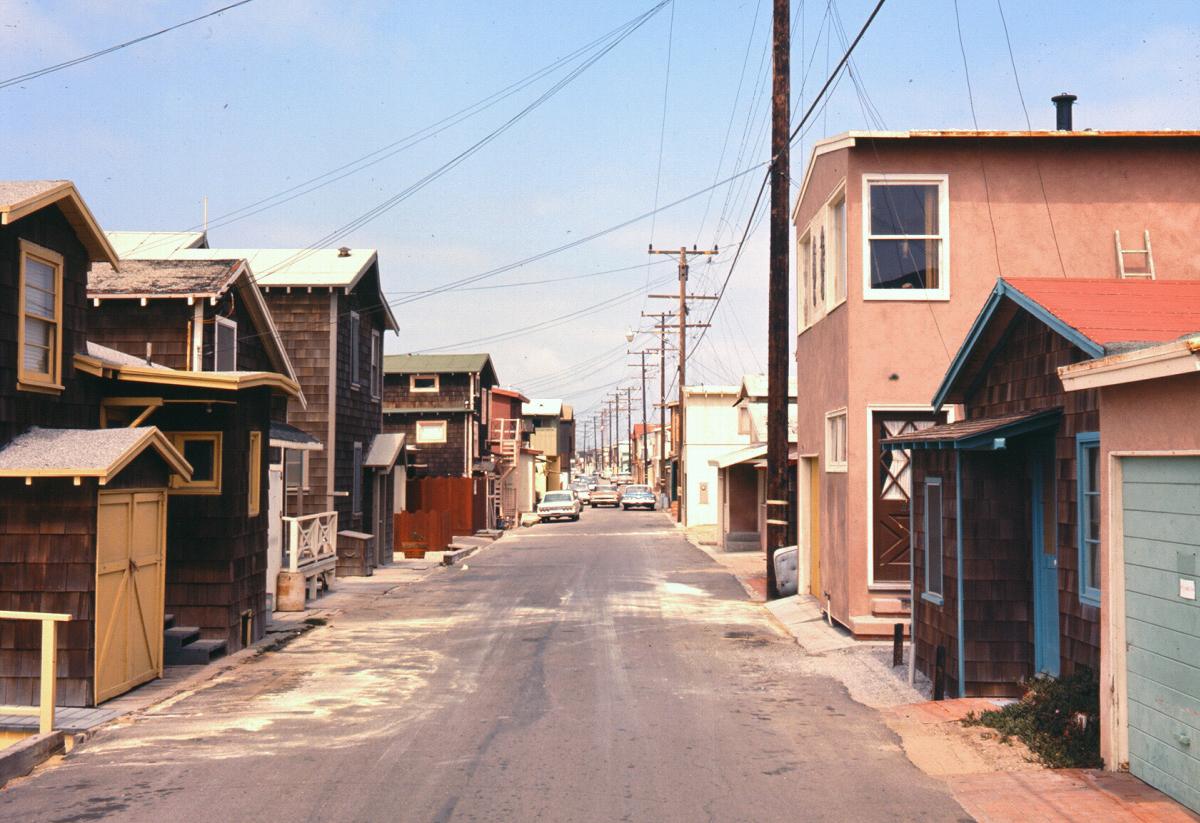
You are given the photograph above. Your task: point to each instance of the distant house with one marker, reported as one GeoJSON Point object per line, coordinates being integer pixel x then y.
{"type": "Point", "coordinates": [442, 404]}
{"type": "Point", "coordinates": [901, 235]}
{"type": "Point", "coordinates": [554, 436]}
{"type": "Point", "coordinates": [331, 314]}
{"type": "Point", "coordinates": [516, 460]}
{"type": "Point", "coordinates": [741, 473]}
{"type": "Point", "coordinates": [711, 429]}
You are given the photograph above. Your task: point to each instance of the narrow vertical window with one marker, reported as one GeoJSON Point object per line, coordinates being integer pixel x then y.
{"type": "Point", "coordinates": [39, 329]}
{"type": "Point", "coordinates": [822, 278]}
{"type": "Point", "coordinates": [225, 336]}
{"type": "Point", "coordinates": [376, 364]}
{"type": "Point", "coordinates": [354, 355]}
{"type": "Point", "coordinates": [839, 251]}
{"type": "Point", "coordinates": [835, 441]}
{"type": "Point", "coordinates": [356, 482]}
{"type": "Point", "coordinates": [255, 478]}
{"type": "Point", "coordinates": [1087, 468]}
{"type": "Point", "coordinates": [934, 559]}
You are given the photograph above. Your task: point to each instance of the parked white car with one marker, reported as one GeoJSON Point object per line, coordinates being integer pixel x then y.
{"type": "Point", "coordinates": [559, 505]}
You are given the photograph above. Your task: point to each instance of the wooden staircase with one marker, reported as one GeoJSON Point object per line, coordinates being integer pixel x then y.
{"type": "Point", "coordinates": [505, 436]}
{"type": "Point", "coordinates": [182, 645]}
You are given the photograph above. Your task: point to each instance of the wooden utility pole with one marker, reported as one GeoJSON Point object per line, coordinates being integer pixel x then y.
{"type": "Point", "coordinates": [643, 475]}
{"type": "Point", "coordinates": [682, 313]}
{"type": "Point", "coordinates": [629, 429]}
{"type": "Point", "coordinates": [661, 328]}
{"type": "Point", "coordinates": [777, 295]}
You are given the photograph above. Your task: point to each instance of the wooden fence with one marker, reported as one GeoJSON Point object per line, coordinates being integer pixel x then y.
{"type": "Point", "coordinates": [421, 531]}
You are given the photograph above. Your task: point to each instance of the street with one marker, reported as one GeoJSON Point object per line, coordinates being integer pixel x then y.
{"type": "Point", "coordinates": [599, 670]}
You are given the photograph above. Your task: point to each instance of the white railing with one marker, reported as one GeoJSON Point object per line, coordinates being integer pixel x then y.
{"type": "Point", "coordinates": [44, 711]}
{"type": "Point", "coordinates": [310, 542]}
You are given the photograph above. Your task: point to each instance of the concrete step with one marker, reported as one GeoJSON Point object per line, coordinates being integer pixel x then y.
{"type": "Point", "coordinates": [490, 534]}
{"type": "Point", "coordinates": [176, 637]}
{"type": "Point", "coordinates": [891, 606]}
{"type": "Point", "coordinates": [865, 626]}
{"type": "Point", "coordinates": [469, 542]}
{"type": "Point", "coordinates": [168, 621]}
{"type": "Point", "coordinates": [197, 653]}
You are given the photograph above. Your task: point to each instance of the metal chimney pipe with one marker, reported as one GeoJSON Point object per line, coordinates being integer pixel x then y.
{"type": "Point", "coordinates": [1062, 104]}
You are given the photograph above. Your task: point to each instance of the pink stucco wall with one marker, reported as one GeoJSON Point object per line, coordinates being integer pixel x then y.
{"type": "Point", "coordinates": [1092, 186]}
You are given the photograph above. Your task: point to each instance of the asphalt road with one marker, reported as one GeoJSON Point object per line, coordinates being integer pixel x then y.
{"type": "Point", "coordinates": [595, 671]}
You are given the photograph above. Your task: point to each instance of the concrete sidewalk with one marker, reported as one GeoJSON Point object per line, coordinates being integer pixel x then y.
{"type": "Point", "coordinates": [996, 782]}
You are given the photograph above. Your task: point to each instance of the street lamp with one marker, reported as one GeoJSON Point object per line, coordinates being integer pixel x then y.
{"type": "Point", "coordinates": [629, 335]}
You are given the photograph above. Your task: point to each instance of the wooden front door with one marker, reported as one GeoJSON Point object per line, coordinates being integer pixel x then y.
{"type": "Point", "coordinates": [893, 495]}
{"type": "Point", "coordinates": [130, 566]}
{"type": "Point", "coordinates": [814, 526]}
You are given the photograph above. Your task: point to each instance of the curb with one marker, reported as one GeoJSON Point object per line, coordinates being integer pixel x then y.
{"type": "Point", "coordinates": [22, 758]}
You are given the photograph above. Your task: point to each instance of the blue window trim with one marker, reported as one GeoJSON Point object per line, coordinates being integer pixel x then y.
{"type": "Point", "coordinates": [1088, 595]}
{"type": "Point", "coordinates": [936, 598]}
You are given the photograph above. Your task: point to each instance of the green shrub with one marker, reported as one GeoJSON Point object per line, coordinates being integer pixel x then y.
{"type": "Point", "coordinates": [1058, 719]}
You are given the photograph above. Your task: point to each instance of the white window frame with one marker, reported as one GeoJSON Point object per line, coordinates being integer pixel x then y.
{"type": "Point", "coordinates": [809, 259]}
{"type": "Point", "coordinates": [28, 379]}
{"type": "Point", "coordinates": [832, 465]}
{"type": "Point", "coordinates": [224, 322]}
{"type": "Point", "coordinates": [376, 364]}
{"type": "Point", "coordinates": [435, 425]}
{"type": "Point", "coordinates": [928, 594]}
{"type": "Point", "coordinates": [942, 292]}
{"type": "Point", "coordinates": [356, 484]}
{"type": "Point", "coordinates": [355, 357]}
{"type": "Point", "coordinates": [413, 388]}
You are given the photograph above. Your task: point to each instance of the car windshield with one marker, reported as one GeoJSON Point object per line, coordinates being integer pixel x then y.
{"type": "Point", "coordinates": [557, 497]}
{"type": "Point", "coordinates": [637, 489]}
{"type": "Point", "coordinates": [606, 488]}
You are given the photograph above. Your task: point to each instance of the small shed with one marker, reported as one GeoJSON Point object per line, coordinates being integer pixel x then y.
{"type": "Point", "coordinates": [85, 518]}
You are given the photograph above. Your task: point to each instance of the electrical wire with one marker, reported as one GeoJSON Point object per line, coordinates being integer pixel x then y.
{"type": "Point", "coordinates": [66, 64]}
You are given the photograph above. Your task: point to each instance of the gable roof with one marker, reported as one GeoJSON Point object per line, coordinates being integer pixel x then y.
{"type": "Point", "coordinates": [164, 278]}
{"type": "Point", "coordinates": [288, 268]}
{"type": "Point", "coordinates": [130, 243]}
{"type": "Point", "coordinates": [99, 453]}
{"type": "Point", "coordinates": [1098, 316]}
{"type": "Point", "coordinates": [439, 364]}
{"type": "Point", "coordinates": [755, 387]}
{"type": "Point", "coordinates": [193, 279]}
{"type": "Point", "coordinates": [20, 198]}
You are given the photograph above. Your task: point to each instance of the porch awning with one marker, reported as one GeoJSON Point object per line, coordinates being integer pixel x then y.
{"type": "Point", "coordinates": [981, 434]}
{"type": "Point", "coordinates": [742, 455]}
{"type": "Point", "coordinates": [385, 450]}
{"type": "Point", "coordinates": [287, 436]}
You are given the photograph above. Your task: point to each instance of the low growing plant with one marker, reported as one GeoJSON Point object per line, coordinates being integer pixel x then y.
{"type": "Point", "coordinates": [1057, 718]}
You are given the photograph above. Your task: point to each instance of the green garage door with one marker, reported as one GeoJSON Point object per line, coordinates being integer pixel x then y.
{"type": "Point", "coordinates": [1162, 541]}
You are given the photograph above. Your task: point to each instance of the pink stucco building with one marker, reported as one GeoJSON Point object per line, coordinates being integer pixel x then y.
{"type": "Point", "coordinates": [901, 236]}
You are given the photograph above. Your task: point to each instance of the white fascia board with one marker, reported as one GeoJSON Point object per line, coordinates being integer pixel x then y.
{"type": "Point", "coordinates": [1177, 357]}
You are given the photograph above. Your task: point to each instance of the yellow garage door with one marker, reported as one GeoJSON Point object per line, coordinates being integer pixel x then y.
{"type": "Point", "coordinates": [130, 566]}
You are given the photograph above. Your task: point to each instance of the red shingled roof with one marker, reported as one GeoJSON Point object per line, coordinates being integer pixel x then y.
{"type": "Point", "coordinates": [1118, 311]}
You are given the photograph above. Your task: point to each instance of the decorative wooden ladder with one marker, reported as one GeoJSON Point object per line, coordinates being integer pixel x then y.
{"type": "Point", "coordinates": [1146, 252]}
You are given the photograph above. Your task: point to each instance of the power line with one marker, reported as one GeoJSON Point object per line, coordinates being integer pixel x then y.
{"type": "Point", "coordinates": [66, 64]}
{"type": "Point", "coordinates": [558, 279]}
{"type": "Point", "coordinates": [390, 203]}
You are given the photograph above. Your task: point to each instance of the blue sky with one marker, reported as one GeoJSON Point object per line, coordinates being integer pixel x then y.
{"type": "Point", "coordinates": [249, 103]}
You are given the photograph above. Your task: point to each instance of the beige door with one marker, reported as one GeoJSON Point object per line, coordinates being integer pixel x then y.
{"type": "Point", "coordinates": [130, 567]}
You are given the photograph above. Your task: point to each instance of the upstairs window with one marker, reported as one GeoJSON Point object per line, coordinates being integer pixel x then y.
{"type": "Point", "coordinates": [431, 431]}
{"type": "Point", "coordinates": [803, 284]}
{"type": "Point", "coordinates": [39, 331]}
{"type": "Point", "coordinates": [356, 506]}
{"type": "Point", "coordinates": [225, 345]}
{"type": "Point", "coordinates": [821, 261]}
{"type": "Point", "coordinates": [202, 450]}
{"type": "Point", "coordinates": [907, 237]}
{"type": "Point", "coordinates": [376, 364]}
{"type": "Point", "coordinates": [837, 220]}
{"type": "Point", "coordinates": [835, 441]}
{"type": "Point", "coordinates": [423, 383]}
{"type": "Point", "coordinates": [254, 501]}
{"type": "Point", "coordinates": [355, 357]}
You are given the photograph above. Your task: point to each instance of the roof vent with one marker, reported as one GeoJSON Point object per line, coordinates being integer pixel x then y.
{"type": "Point", "coordinates": [1062, 104]}
{"type": "Point", "coordinates": [344, 251]}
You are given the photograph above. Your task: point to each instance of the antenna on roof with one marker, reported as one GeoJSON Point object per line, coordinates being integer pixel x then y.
{"type": "Point", "coordinates": [206, 214]}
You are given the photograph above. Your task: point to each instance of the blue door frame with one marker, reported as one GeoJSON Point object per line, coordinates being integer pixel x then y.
{"type": "Point", "coordinates": [1045, 570]}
